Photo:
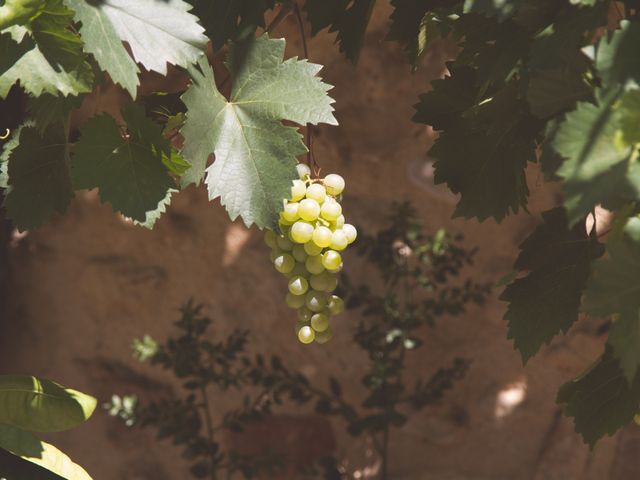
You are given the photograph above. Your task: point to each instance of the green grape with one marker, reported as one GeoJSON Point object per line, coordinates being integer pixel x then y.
{"type": "Point", "coordinates": [304, 314]}
{"type": "Point", "coordinates": [270, 238]}
{"type": "Point", "coordinates": [312, 249]}
{"type": "Point", "coordinates": [301, 232]}
{"type": "Point", "coordinates": [324, 337]}
{"type": "Point", "coordinates": [350, 231]}
{"type": "Point", "coordinates": [339, 223]}
{"type": "Point", "coordinates": [316, 192]}
{"type": "Point", "coordinates": [331, 260]}
{"type": "Point", "coordinates": [322, 236]}
{"type": "Point", "coordinates": [324, 282]}
{"type": "Point", "coordinates": [303, 170]}
{"type": "Point", "coordinates": [306, 335]}
{"type": "Point", "coordinates": [284, 263]}
{"type": "Point", "coordinates": [290, 212]}
{"type": "Point", "coordinates": [299, 270]}
{"type": "Point", "coordinates": [330, 210]}
{"type": "Point", "coordinates": [275, 253]}
{"type": "Point", "coordinates": [298, 190]}
{"type": "Point", "coordinates": [314, 264]}
{"type": "Point", "coordinates": [298, 285]}
{"type": "Point", "coordinates": [299, 254]}
{"type": "Point", "coordinates": [309, 209]}
{"type": "Point", "coordinates": [294, 301]}
{"type": "Point", "coordinates": [284, 243]}
{"type": "Point", "coordinates": [336, 305]}
{"type": "Point", "coordinates": [331, 282]}
{"type": "Point", "coordinates": [334, 184]}
{"type": "Point", "coordinates": [315, 301]}
{"type": "Point", "coordinates": [300, 324]}
{"type": "Point", "coordinates": [339, 240]}
{"type": "Point", "coordinates": [320, 322]}
{"type": "Point", "coordinates": [283, 221]}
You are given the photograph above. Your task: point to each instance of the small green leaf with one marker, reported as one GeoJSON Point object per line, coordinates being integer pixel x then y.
{"type": "Point", "coordinates": [599, 167]}
{"type": "Point", "coordinates": [39, 405]}
{"type": "Point", "coordinates": [617, 57]}
{"type": "Point", "coordinates": [349, 19]}
{"type": "Point", "coordinates": [40, 455]}
{"type": "Point", "coordinates": [46, 57]}
{"type": "Point", "coordinates": [600, 400]}
{"type": "Point", "coordinates": [127, 169]}
{"type": "Point", "coordinates": [554, 91]}
{"type": "Point", "coordinates": [255, 155]}
{"type": "Point", "coordinates": [547, 300]}
{"type": "Point", "coordinates": [37, 176]}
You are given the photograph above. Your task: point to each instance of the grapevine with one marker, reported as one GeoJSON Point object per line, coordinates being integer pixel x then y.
{"type": "Point", "coordinates": [307, 250]}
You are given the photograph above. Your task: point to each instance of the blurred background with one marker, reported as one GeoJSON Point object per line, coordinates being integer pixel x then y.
{"type": "Point", "coordinates": [76, 292]}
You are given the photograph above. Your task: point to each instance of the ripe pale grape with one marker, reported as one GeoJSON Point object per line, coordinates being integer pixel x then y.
{"type": "Point", "coordinates": [336, 305]}
{"type": "Point", "coordinates": [334, 184]}
{"type": "Point", "coordinates": [320, 322]}
{"type": "Point", "coordinates": [301, 232]}
{"type": "Point", "coordinates": [285, 244]}
{"type": "Point", "coordinates": [315, 301]}
{"type": "Point", "coordinates": [309, 209]}
{"type": "Point", "coordinates": [299, 254]}
{"type": "Point", "coordinates": [298, 190]}
{"type": "Point", "coordinates": [316, 192]}
{"type": "Point", "coordinates": [339, 223]}
{"type": "Point", "coordinates": [312, 249]}
{"type": "Point", "coordinates": [298, 285]}
{"type": "Point", "coordinates": [306, 335]}
{"type": "Point", "coordinates": [303, 170]}
{"type": "Point", "coordinates": [324, 337]}
{"type": "Point", "coordinates": [304, 314]}
{"type": "Point", "coordinates": [314, 264]}
{"type": "Point", "coordinates": [339, 240]}
{"type": "Point", "coordinates": [275, 252]}
{"type": "Point", "coordinates": [270, 238]}
{"type": "Point", "coordinates": [290, 212]}
{"type": "Point", "coordinates": [350, 231]}
{"type": "Point", "coordinates": [322, 236]}
{"type": "Point", "coordinates": [295, 301]}
{"type": "Point", "coordinates": [284, 263]}
{"type": "Point", "coordinates": [331, 260]}
{"type": "Point", "coordinates": [330, 210]}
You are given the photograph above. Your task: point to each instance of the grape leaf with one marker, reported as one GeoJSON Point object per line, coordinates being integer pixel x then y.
{"type": "Point", "coordinates": [617, 55]}
{"type": "Point", "coordinates": [224, 20]}
{"type": "Point", "coordinates": [37, 176]}
{"type": "Point", "coordinates": [443, 106]}
{"type": "Point", "coordinates": [600, 168]}
{"type": "Point", "coordinates": [19, 12]}
{"type": "Point", "coordinates": [501, 9]}
{"type": "Point", "coordinates": [349, 19]}
{"type": "Point", "coordinates": [254, 153]}
{"type": "Point", "coordinates": [47, 109]}
{"type": "Point", "coordinates": [554, 91]}
{"type": "Point", "coordinates": [414, 25]}
{"type": "Point", "coordinates": [127, 169]}
{"type": "Point", "coordinates": [169, 35]}
{"type": "Point", "coordinates": [547, 300]}
{"type": "Point", "coordinates": [600, 400]}
{"type": "Point", "coordinates": [614, 289]}
{"type": "Point", "coordinates": [46, 56]}
{"type": "Point", "coordinates": [490, 178]}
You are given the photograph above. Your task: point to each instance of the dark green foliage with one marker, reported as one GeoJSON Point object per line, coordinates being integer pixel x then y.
{"type": "Point", "coordinates": [420, 277]}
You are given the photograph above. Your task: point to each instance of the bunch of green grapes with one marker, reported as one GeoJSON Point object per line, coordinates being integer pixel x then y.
{"type": "Point", "coordinates": [307, 252]}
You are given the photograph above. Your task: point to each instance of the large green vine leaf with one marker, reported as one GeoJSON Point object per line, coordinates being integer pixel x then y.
{"type": "Point", "coordinates": [40, 405]}
{"type": "Point", "coordinates": [159, 32]}
{"type": "Point", "coordinates": [255, 154]}
{"type": "Point", "coordinates": [36, 176]}
{"type": "Point", "coordinates": [46, 56]}
{"type": "Point", "coordinates": [35, 456]}
{"type": "Point", "coordinates": [547, 300]}
{"type": "Point", "coordinates": [126, 168]}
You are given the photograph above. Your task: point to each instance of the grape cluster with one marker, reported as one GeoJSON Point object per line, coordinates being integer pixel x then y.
{"type": "Point", "coordinates": [307, 252]}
